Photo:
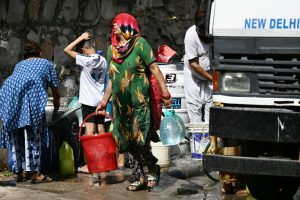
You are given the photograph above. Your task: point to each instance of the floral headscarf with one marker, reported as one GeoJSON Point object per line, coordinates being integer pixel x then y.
{"type": "Point", "coordinates": [130, 31]}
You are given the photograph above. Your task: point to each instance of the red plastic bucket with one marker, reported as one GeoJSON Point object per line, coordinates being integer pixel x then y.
{"type": "Point", "coordinates": [99, 150]}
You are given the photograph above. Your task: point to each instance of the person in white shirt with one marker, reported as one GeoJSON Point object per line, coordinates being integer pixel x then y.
{"type": "Point", "coordinates": [197, 75]}
{"type": "Point", "coordinates": [92, 79]}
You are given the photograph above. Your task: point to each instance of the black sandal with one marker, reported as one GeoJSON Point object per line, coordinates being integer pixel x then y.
{"type": "Point", "coordinates": [155, 177]}
{"type": "Point", "coordinates": [23, 176]}
{"type": "Point", "coordinates": [136, 186]}
{"type": "Point", "coordinates": [131, 179]}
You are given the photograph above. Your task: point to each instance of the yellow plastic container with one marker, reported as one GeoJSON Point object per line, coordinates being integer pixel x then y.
{"type": "Point", "coordinates": [66, 160]}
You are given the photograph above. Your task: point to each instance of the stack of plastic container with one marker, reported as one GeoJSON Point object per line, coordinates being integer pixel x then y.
{"type": "Point", "coordinates": [199, 138]}
{"type": "Point", "coordinates": [174, 77]}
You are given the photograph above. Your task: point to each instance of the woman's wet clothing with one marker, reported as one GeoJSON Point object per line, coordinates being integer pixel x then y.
{"type": "Point", "coordinates": [139, 155]}
{"type": "Point", "coordinates": [131, 95]}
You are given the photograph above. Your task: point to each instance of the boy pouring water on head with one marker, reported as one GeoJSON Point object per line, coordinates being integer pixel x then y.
{"type": "Point", "coordinates": [92, 79]}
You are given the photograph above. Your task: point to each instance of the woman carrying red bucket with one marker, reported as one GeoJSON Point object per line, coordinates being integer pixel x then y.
{"type": "Point", "coordinates": [131, 61]}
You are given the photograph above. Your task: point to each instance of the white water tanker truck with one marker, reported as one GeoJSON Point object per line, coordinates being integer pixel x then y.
{"type": "Point", "coordinates": [255, 54]}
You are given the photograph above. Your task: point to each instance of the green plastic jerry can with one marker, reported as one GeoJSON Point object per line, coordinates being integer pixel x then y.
{"type": "Point", "coordinates": [66, 160]}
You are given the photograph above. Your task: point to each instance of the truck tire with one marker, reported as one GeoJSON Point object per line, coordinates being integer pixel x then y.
{"type": "Point", "coordinates": [272, 187]}
{"type": "Point", "coordinates": [264, 186]}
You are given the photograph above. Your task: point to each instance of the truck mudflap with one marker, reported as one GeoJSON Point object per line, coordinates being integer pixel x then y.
{"type": "Point", "coordinates": [252, 165]}
{"type": "Point", "coordinates": [257, 124]}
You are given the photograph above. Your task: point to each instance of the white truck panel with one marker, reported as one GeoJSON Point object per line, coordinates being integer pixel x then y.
{"type": "Point", "coordinates": [259, 18]}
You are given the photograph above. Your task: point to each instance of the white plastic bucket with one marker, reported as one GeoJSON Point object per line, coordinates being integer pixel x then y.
{"type": "Point", "coordinates": [205, 137]}
{"type": "Point", "coordinates": [175, 88]}
{"type": "Point", "coordinates": [166, 66]}
{"type": "Point", "coordinates": [162, 153]}
{"type": "Point", "coordinates": [174, 78]}
{"type": "Point", "coordinates": [174, 81]}
{"type": "Point", "coordinates": [178, 101]}
{"type": "Point", "coordinates": [199, 139]}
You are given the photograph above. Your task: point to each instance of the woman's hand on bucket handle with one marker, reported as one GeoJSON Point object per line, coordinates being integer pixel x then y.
{"type": "Point", "coordinates": [101, 108]}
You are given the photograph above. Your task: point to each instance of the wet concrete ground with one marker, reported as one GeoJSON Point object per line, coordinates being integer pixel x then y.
{"type": "Point", "coordinates": [195, 186]}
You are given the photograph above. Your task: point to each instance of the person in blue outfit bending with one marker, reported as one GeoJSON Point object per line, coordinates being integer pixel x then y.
{"type": "Point", "coordinates": [23, 98]}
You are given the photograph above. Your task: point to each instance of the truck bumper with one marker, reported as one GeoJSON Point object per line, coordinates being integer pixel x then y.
{"type": "Point", "coordinates": [251, 165]}
{"type": "Point", "coordinates": [257, 124]}
{"type": "Point", "coordinates": [254, 125]}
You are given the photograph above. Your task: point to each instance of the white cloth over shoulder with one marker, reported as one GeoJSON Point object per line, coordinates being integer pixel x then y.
{"type": "Point", "coordinates": [92, 78]}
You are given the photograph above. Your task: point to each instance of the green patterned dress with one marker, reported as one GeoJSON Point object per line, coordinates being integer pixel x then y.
{"type": "Point", "coordinates": [131, 95]}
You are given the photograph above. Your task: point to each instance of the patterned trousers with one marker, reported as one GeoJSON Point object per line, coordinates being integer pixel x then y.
{"type": "Point", "coordinates": [138, 156]}
{"type": "Point", "coordinates": [26, 151]}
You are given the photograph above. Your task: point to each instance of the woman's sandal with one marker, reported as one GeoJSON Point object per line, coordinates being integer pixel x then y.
{"type": "Point", "coordinates": [153, 178]}
{"type": "Point", "coordinates": [131, 178]}
{"type": "Point", "coordinates": [136, 186]}
{"type": "Point", "coordinates": [83, 169]}
{"type": "Point", "coordinates": [121, 167]}
{"type": "Point", "coordinates": [40, 178]}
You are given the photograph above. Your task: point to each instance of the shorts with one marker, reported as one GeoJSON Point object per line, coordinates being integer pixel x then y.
{"type": "Point", "coordinates": [97, 119]}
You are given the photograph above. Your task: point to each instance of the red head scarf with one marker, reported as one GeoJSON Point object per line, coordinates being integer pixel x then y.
{"type": "Point", "coordinates": [128, 26]}
{"type": "Point", "coordinates": [130, 31]}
